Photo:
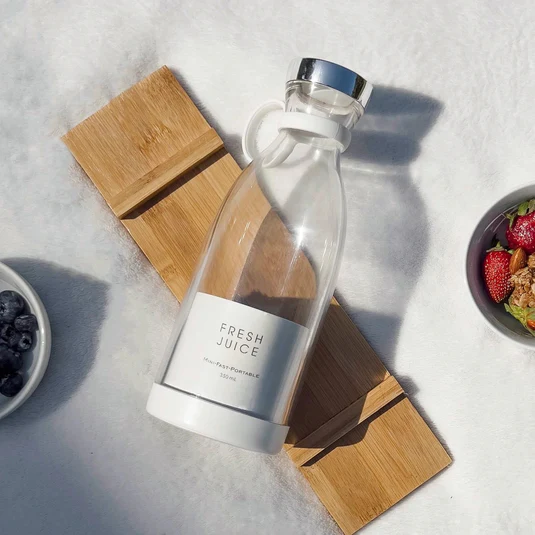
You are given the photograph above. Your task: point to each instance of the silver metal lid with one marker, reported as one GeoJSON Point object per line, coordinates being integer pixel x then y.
{"type": "Point", "coordinates": [331, 75]}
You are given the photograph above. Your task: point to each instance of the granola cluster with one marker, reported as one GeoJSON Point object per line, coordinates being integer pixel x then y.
{"type": "Point", "coordinates": [523, 283]}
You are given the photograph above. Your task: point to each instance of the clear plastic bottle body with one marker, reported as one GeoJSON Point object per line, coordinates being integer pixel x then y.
{"type": "Point", "coordinates": [265, 278]}
{"type": "Point", "coordinates": [275, 247]}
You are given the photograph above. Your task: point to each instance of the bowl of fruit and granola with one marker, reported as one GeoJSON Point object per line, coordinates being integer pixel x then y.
{"type": "Point", "coordinates": [25, 340]}
{"type": "Point", "coordinates": [500, 266]}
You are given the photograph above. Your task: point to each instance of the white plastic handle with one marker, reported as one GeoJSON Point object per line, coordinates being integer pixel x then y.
{"type": "Point", "coordinates": [320, 126]}
{"type": "Point", "coordinates": [253, 125]}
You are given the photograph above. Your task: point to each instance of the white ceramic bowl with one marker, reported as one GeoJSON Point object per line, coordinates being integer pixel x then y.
{"type": "Point", "coordinates": [35, 360]}
{"type": "Point", "coordinates": [494, 222]}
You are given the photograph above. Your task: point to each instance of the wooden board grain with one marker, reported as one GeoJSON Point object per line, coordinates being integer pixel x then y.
{"type": "Point", "coordinates": [359, 456]}
{"type": "Point", "coordinates": [149, 185]}
{"type": "Point", "coordinates": [376, 464]}
{"type": "Point", "coordinates": [345, 421]}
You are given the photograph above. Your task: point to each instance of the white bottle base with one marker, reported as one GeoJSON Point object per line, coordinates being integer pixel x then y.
{"type": "Point", "coordinates": [215, 421]}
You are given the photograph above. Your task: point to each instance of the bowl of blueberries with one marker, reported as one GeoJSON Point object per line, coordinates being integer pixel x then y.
{"type": "Point", "coordinates": [24, 340]}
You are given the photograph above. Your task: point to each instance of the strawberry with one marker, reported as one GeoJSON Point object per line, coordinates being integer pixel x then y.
{"type": "Point", "coordinates": [521, 230]}
{"type": "Point", "coordinates": [496, 273]}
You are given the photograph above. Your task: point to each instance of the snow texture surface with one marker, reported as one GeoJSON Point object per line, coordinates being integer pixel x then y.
{"type": "Point", "coordinates": [448, 132]}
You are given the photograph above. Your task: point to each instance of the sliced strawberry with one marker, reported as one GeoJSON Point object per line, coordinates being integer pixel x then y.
{"type": "Point", "coordinates": [521, 230]}
{"type": "Point", "coordinates": [496, 273]}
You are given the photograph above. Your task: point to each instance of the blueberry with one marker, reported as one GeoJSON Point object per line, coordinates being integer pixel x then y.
{"type": "Point", "coordinates": [24, 343]}
{"type": "Point", "coordinates": [6, 331]}
{"type": "Point", "coordinates": [14, 339]}
{"type": "Point", "coordinates": [10, 361]}
{"type": "Point", "coordinates": [18, 341]}
{"type": "Point", "coordinates": [12, 385]}
{"type": "Point", "coordinates": [11, 305]}
{"type": "Point", "coordinates": [26, 322]}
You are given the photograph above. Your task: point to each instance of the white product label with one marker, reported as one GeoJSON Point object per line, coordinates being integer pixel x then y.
{"type": "Point", "coordinates": [237, 355]}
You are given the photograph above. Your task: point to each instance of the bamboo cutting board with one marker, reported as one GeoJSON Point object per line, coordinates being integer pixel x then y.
{"type": "Point", "coordinates": [164, 172]}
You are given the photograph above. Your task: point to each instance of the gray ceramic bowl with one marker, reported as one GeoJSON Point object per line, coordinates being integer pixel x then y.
{"type": "Point", "coordinates": [35, 360]}
{"type": "Point", "coordinates": [494, 222]}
